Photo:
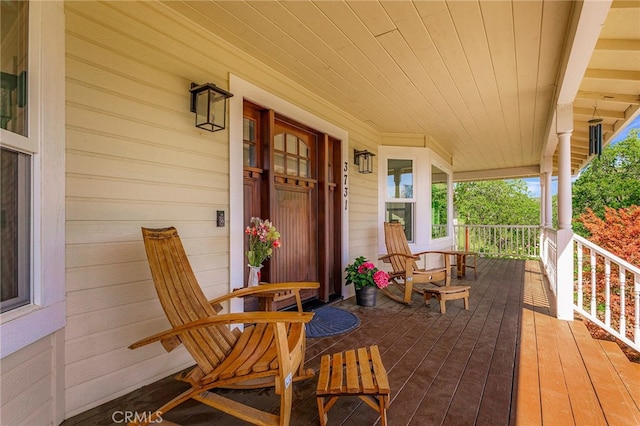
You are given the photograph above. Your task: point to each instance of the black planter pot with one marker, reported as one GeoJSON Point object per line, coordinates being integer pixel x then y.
{"type": "Point", "coordinates": [366, 296]}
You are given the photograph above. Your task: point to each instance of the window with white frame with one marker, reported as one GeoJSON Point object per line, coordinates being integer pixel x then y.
{"type": "Point", "coordinates": [32, 180]}
{"type": "Point", "coordinates": [416, 190]}
{"type": "Point", "coordinates": [16, 156]}
{"type": "Point", "coordinates": [400, 198]}
{"type": "Point", "coordinates": [439, 203]}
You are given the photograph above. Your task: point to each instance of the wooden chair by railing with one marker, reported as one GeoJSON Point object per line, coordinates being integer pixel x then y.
{"type": "Point", "coordinates": [268, 353]}
{"type": "Point", "coordinates": [406, 274]}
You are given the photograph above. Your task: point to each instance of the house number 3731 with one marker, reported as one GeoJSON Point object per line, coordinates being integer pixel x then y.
{"type": "Point", "coordinates": [345, 174]}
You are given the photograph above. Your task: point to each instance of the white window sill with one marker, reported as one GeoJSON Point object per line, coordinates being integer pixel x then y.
{"type": "Point", "coordinates": [23, 326]}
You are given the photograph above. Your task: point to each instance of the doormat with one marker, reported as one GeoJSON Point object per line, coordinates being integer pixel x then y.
{"type": "Point", "coordinates": [329, 321]}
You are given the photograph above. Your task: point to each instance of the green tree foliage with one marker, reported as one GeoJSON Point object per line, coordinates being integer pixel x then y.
{"type": "Point", "coordinates": [613, 181]}
{"type": "Point", "coordinates": [497, 202]}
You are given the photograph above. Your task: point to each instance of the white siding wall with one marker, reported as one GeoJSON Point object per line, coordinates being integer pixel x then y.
{"type": "Point", "coordinates": [134, 158]}
{"type": "Point", "coordinates": [26, 378]}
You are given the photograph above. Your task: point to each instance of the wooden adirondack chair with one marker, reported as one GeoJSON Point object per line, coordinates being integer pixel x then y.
{"type": "Point", "coordinates": [406, 275]}
{"type": "Point", "coordinates": [268, 353]}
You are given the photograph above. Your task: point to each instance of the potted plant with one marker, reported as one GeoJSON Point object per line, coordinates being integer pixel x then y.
{"type": "Point", "coordinates": [366, 279]}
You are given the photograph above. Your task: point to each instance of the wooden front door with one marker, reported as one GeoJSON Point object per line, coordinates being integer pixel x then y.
{"type": "Point", "coordinates": [290, 179]}
{"type": "Point", "coordinates": [295, 204]}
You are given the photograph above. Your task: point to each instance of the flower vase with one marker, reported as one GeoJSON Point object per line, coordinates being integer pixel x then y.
{"type": "Point", "coordinates": [254, 276]}
{"type": "Point", "coordinates": [366, 296]}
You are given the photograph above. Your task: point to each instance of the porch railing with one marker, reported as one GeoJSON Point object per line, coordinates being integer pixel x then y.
{"type": "Point", "coordinates": [607, 291]}
{"type": "Point", "coordinates": [515, 241]}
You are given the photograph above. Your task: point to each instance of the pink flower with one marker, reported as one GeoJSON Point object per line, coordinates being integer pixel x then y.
{"type": "Point", "coordinates": [365, 267]}
{"type": "Point", "coordinates": [381, 278]}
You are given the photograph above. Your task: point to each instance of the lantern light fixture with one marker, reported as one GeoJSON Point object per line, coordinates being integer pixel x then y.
{"type": "Point", "coordinates": [209, 103]}
{"type": "Point", "coordinates": [364, 160]}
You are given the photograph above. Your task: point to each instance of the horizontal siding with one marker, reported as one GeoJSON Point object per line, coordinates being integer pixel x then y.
{"type": "Point", "coordinates": [134, 159]}
{"type": "Point", "coordinates": [26, 383]}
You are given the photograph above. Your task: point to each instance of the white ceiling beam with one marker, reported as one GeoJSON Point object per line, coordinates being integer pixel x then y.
{"type": "Point", "coordinates": [509, 173]}
{"type": "Point", "coordinates": [618, 115]}
{"type": "Point", "coordinates": [612, 74]}
{"type": "Point", "coordinates": [609, 97]}
{"type": "Point", "coordinates": [618, 45]}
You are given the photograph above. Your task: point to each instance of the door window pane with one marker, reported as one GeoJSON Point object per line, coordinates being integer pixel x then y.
{"type": "Point", "coordinates": [249, 149]}
{"type": "Point", "coordinates": [439, 203]}
{"type": "Point", "coordinates": [293, 152]}
{"type": "Point", "coordinates": [278, 161]}
{"type": "Point", "coordinates": [15, 237]}
{"type": "Point", "coordinates": [278, 142]}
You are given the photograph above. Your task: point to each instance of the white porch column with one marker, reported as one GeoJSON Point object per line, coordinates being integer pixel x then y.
{"type": "Point", "coordinates": [564, 265]}
{"type": "Point", "coordinates": [543, 199]}
{"type": "Point", "coordinates": [546, 196]}
{"type": "Point", "coordinates": [548, 204]}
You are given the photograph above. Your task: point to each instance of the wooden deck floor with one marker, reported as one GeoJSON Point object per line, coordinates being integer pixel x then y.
{"type": "Point", "coordinates": [504, 361]}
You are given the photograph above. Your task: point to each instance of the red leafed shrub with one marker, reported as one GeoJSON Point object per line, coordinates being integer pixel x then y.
{"type": "Point", "coordinates": [618, 233]}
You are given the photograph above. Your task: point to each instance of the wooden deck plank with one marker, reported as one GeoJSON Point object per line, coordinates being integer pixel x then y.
{"type": "Point", "coordinates": [526, 399]}
{"type": "Point", "coordinates": [434, 411]}
{"type": "Point", "coordinates": [584, 401]}
{"type": "Point", "coordinates": [453, 369]}
{"type": "Point", "coordinates": [556, 406]}
{"type": "Point", "coordinates": [616, 402]}
{"type": "Point", "coordinates": [629, 372]}
{"type": "Point", "coordinates": [494, 404]}
{"type": "Point", "coordinates": [434, 405]}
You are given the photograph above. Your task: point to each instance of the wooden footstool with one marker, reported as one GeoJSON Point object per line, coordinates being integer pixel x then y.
{"type": "Point", "coordinates": [356, 372]}
{"type": "Point", "coordinates": [448, 293]}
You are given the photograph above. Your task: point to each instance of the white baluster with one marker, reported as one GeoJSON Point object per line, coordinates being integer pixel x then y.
{"type": "Point", "coordinates": [607, 291]}
{"type": "Point", "coordinates": [579, 270]}
{"type": "Point", "coordinates": [623, 278]}
{"type": "Point", "coordinates": [593, 282]}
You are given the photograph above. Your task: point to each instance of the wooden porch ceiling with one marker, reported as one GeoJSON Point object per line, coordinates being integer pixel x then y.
{"type": "Point", "coordinates": [504, 361]}
{"type": "Point", "coordinates": [481, 77]}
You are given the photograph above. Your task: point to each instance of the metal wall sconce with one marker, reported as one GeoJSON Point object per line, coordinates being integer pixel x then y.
{"type": "Point", "coordinates": [209, 102]}
{"type": "Point", "coordinates": [364, 160]}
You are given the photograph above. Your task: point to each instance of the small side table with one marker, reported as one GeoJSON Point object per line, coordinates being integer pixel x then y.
{"type": "Point", "coordinates": [461, 262]}
{"type": "Point", "coordinates": [356, 372]}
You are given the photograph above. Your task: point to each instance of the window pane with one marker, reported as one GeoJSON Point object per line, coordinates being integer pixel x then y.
{"type": "Point", "coordinates": [303, 168]}
{"type": "Point", "coordinates": [439, 200]}
{"type": "Point", "coordinates": [401, 213]}
{"type": "Point", "coordinates": [292, 166]}
{"type": "Point", "coordinates": [13, 66]}
{"type": "Point", "coordinates": [249, 155]}
{"type": "Point", "coordinates": [292, 144]}
{"type": "Point", "coordinates": [400, 179]}
{"type": "Point", "coordinates": [278, 142]}
{"type": "Point", "coordinates": [278, 163]}
{"type": "Point", "coordinates": [303, 149]}
{"type": "Point", "coordinates": [14, 229]}
{"type": "Point", "coordinates": [249, 148]}
{"type": "Point", "coordinates": [248, 130]}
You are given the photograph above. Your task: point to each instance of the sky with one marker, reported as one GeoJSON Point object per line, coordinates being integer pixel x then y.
{"type": "Point", "coordinates": [533, 184]}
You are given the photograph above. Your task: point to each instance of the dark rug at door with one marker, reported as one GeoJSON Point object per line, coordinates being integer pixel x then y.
{"type": "Point", "coordinates": [329, 321]}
